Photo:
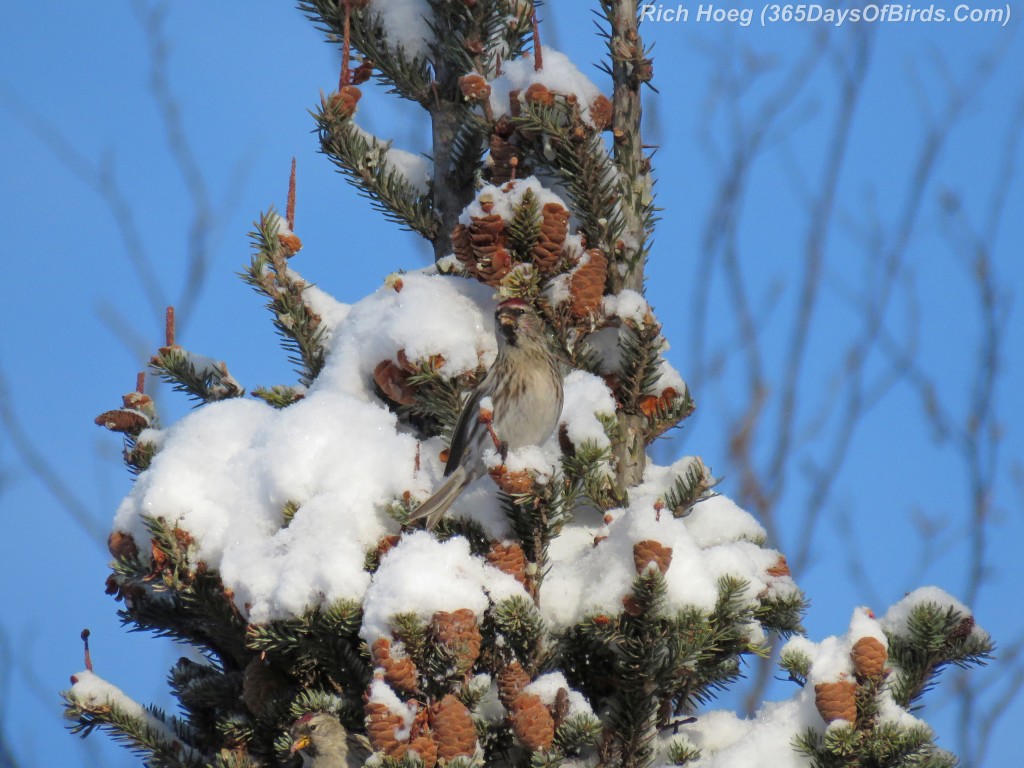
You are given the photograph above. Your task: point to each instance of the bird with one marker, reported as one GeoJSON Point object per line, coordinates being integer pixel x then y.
{"type": "Point", "coordinates": [321, 739]}
{"type": "Point", "coordinates": [525, 387]}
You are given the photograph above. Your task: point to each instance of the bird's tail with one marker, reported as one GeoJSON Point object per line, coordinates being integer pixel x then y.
{"type": "Point", "coordinates": [433, 509]}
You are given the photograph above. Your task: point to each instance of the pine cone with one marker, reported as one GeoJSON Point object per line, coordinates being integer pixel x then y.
{"type": "Point", "coordinates": [781, 567]}
{"type": "Point", "coordinates": [290, 243]}
{"type": "Point", "coordinates": [554, 226]}
{"type": "Point", "coordinates": [869, 657]}
{"type": "Point", "coordinates": [138, 401]}
{"type": "Point", "coordinates": [452, 728]}
{"type": "Point", "coordinates": [459, 634]}
{"type": "Point", "coordinates": [122, 546]}
{"type": "Point", "coordinates": [493, 267]}
{"type": "Point", "coordinates": [648, 551]}
{"type": "Point", "coordinates": [393, 382]}
{"type": "Point", "coordinates": [836, 701]}
{"type": "Point", "coordinates": [532, 722]}
{"type": "Point", "coordinates": [423, 746]}
{"type": "Point", "coordinates": [123, 420]}
{"type": "Point", "coordinates": [505, 158]}
{"type": "Point", "coordinates": [539, 94]}
{"type": "Point", "coordinates": [261, 684]}
{"type": "Point", "coordinates": [601, 112]}
{"type": "Point", "coordinates": [381, 727]}
{"type": "Point", "coordinates": [586, 284]}
{"type": "Point", "coordinates": [462, 247]}
{"type": "Point", "coordinates": [963, 629]}
{"type": "Point", "coordinates": [511, 680]}
{"type": "Point", "coordinates": [399, 673]}
{"type": "Point", "coordinates": [508, 558]}
{"type": "Point", "coordinates": [474, 87]}
{"type": "Point", "coordinates": [512, 483]}
{"type": "Point", "coordinates": [345, 100]}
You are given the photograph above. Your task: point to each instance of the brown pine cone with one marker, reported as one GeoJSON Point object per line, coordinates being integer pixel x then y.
{"type": "Point", "coordinates": [869, 656]}
{"type": "Point", "coordinates": [139, 402]}
{"type": "Point", "coordinates": [532, 722]}
{"type": "Point", "coordinates": [459, 633]}
{"type": "Point", "coordinates": [381, 727]}
{"type": "Point", "coordinates": [554, 226]}
{"type": "Point", "coordinates": [511, 680]}
{"type": "Point", "coordinates": [508, 558]}
{"type": "Point", "coordinates": [836, 701]}
{"type": "Point", "coordinates": [123, 420]}
{"type": "Point", "coordinates": [452, 728]}
{"type": "Point", "coordinates": [462, 247]}
{"type": "Point", "coordinates": [290, 243]}
{"type": "Point", "coordinates": [474, 87]}
{"type": "Point", "coordinates": [494, 266]}
{"type": "Point", "coordinates": [261, 684]}
{"type": "Point", "coordinates": [539, 94]}
{"type": "Point", "coordinates": [393, 382]}
{"type": "Point", "coordinates": [505, 158]}
{"type": "Point", "coordinates": [648, 551]}
{"type": "Point", "coordinates": [122, 546]}
{"type": "Point", "coordinates": [586, 284]}
{"type": "Point", "coordinates": [512, 483]}
{"type": "Point", "coordinates": [399, 673]}
{"type": "Point", "coordinates": [423, 746]}
{"type": "Point", "coordinates": [781, 567]}
{"type": "Point", "coordinates": [601, 112]}
{"type": "Point", "coordinates": [345, 100]}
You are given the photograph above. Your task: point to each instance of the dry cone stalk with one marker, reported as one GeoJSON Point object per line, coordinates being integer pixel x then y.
{"type": "Point", "coordinates": [532, 722]}
{"type": "Point", "coordinates": [400, 673]}
{"type": "Point", "coordinates": [836, 701]}
{"type": "Point", "coordinates": [869, 656]}
{"type": "Point", "coordinates": [650, 551]}
{"type": "Point", "coordinates": [508, 558]}
{"type": "Point", "coordinates": [452, 728]}
{"type": "Point", "coordinates": [586, 284]}
{"type": "Point", "coordinates": [459, 634]}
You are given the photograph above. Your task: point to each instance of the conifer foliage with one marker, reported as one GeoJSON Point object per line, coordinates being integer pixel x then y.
{"type": "Point", "coordinates": [579, 604]}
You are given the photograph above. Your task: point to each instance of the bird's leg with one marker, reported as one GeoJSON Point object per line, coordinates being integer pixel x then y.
{"type": "Point", "coordinates": [487, 419]}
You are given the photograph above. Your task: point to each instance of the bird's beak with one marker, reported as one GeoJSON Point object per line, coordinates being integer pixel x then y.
{"type": "Point", "coordinates": [506, 321]}
{"type": "Point", "coordinates": [300, 743]}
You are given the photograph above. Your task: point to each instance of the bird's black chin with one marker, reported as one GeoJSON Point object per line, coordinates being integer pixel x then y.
{"type": "Point", "coordinates": [508, 333]}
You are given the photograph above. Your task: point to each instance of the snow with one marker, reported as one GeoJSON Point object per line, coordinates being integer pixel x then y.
{"type": "Point", "coordinates": [92, 691]}
{"type": "Point", "coordinates": [547, 686]}
{"type": "Point", "coordinates": [559, 75]}
{"type": "Point", "coordinates": [628, 305]}
{"type": "Point", "coordinates": [504, 199]}
{"type": "Point", "coordinates": [586, 398]}
{"type": "Point", "coordinates": [897, 616]}
{"type": "Point", "coordinates": [408, 578]}
{"type": "Point", "coordinates": [404, 24]}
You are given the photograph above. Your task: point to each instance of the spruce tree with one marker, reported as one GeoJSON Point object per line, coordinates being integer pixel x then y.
{"type": "Point", "coordinates": [580, 604]}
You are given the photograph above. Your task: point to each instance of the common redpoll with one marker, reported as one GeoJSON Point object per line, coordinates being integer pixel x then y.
{"type": "Point", "coordinates": [321, 739]}
{"type": "Point", "coordinates": [525, 388]}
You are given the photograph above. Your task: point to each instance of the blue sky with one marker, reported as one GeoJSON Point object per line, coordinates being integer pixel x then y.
{"type": "Point", "coordinates": [75, 97]}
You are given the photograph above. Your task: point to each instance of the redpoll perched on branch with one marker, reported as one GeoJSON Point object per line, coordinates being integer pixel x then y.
{"type": "Point", "coordinates": [525, 389]}
{"type": "Point", "coordinates": [321, 740]}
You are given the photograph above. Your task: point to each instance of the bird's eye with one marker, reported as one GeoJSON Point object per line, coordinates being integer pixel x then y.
{"type": "Point", "coordinates": [312, 726]}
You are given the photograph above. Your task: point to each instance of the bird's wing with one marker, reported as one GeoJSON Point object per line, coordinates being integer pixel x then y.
{"type": "Point", "coordinates": [460, 435]}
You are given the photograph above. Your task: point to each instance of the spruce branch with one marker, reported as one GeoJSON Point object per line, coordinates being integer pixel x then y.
{"type": "Point", "coordinates": [405, 75]}
{"type": "Point", "coordinates": [201, 378]}
{"type": "Point", "coordinates": [160, 741]}
{"type": "Point", "coordinates": [935, 638]}
{"type": "Point", "coordinates": [692, 486]}
{"type": "Point", "coordinates": [300, 328]}
{"type": "Point", "coordinates": [364, 161]}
